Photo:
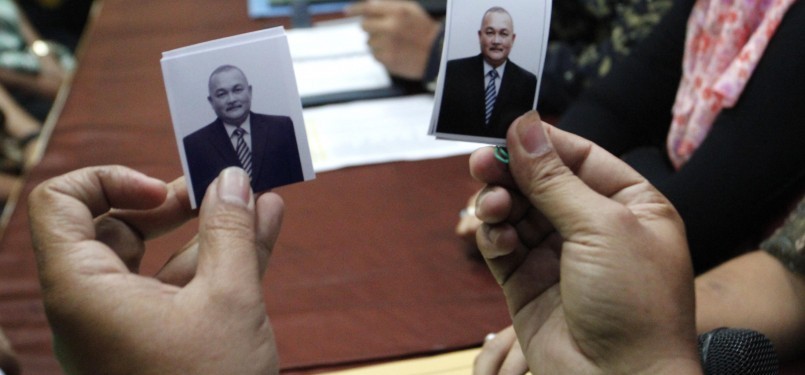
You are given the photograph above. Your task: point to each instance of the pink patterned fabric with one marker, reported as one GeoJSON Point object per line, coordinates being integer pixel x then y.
{"type": "Point", "coordinates": [725, 40]}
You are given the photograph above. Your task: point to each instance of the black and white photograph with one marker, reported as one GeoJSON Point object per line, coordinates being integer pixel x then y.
{"type": "Point", "coordinates": [492, 59]}
{"type": "Point", "coordinates": [234, 102]}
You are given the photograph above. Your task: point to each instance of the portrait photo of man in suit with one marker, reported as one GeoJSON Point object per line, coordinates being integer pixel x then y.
{"type": "Point", "coordinates": [265, 146]}
{"type": "Point", "coordinates": [483, 94]}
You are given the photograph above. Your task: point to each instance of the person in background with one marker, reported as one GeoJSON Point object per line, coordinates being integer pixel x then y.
{"type": "Point", "coordinates": [32, 67]}
{"type": "Point", "coordinates": [20, 133]}
{"type": "Point", "coordinates": [32, 70]}
{"type": "Point", "coordinates": [586, 38]}
{"type": "Point", "coordinates": [402, 36]}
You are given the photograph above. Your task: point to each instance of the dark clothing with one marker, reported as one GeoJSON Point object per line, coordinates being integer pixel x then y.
{"type": "Point", "coordinates": [751, 166]}
{"type": "Point", "coordinates": [587, 38]}
{"type": "Point", "coordinates": [275, 155]}
{"type": "Point", "coordinates": [62, 21]}
{"type": "Point", "coordinates": [463, 108]}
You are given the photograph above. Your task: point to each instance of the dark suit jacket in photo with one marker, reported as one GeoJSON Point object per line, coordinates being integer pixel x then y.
{"type": "Point", "coordinates": [275, 155]}
{"type": "Point", "coordinates": [462, 108]}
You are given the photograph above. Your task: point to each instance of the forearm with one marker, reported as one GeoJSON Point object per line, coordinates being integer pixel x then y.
{"type": "Point", "coordinates": [754, 291]}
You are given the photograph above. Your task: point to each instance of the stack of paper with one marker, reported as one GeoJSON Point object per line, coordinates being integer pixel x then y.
{"type": "Point", "coordinates": [376, 131]}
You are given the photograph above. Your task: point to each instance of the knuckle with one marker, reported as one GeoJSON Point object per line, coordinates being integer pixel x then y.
{"type": "Point", "coordinates": [231, 220]}
{"type": "Point", "coordinates": [551, 176]}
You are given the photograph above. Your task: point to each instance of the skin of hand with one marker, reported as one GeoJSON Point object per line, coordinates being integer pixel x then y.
{"type": "Point", "coordinates": [502, 355]}
{"type": "Point", "coordinates": [202, 313]}
{"type": "Point", "coordinates": [401, 34]}
{"type": "Point", "coordinates": [757, 292]}
{"type": "Point", "coordinates": [564, 207]}
{"type": "Point", "coordinates": [468, 224]}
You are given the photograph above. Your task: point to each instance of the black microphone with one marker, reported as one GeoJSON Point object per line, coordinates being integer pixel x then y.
{"type": "Point", "coordinates": [730, 351]}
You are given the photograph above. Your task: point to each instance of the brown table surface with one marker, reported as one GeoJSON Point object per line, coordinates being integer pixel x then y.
{"type": "Point", "coordinates": [367, 267]}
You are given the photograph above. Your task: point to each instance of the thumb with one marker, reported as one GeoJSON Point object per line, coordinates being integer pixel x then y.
{"type": "Point", "coordinates": [566, 177]}
{"type": "Point", "coordinates": [229, 243]}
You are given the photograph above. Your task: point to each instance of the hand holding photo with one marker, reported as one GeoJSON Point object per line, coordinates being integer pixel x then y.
{"type": "Point", "coordinates": [234, 102]}
{"type": "Point", "coordinates": [480, 94]}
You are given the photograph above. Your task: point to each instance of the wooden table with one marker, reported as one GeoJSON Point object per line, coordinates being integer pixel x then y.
{"type": "Point", "coordinates": [367, 267]}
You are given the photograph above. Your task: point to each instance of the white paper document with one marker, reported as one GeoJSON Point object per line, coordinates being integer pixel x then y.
{"type": "Point", "coordinates": [333, 57]}
{"type": "Point", "coordinates": [376, 131]}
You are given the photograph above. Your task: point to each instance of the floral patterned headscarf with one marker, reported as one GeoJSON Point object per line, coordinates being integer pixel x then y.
{"type": "Point", "coordinates": [725, 40]}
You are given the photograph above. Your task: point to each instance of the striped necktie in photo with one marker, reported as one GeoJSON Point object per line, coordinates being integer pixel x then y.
{"type": "Point", "coordinates": [490, 95]}
{"type": "Point", "coordinates": [244, 154]}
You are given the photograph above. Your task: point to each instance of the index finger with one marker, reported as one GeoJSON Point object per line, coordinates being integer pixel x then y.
{"type": "Point", "coordinates": [485, 168]}
{"type": "Point", "coordinates": [173, 212]}
{"type": "Point", "coordinates": [62, 209]}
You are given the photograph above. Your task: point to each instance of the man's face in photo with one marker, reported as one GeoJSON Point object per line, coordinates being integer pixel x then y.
{"type": "Point", "coordinates": [230, 96]}
{"type": "Point", "coordinates": [496, 37]}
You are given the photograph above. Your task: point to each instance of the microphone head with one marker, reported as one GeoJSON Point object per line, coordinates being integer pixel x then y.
{"type": "Point", "coordinates": [728, 351]}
